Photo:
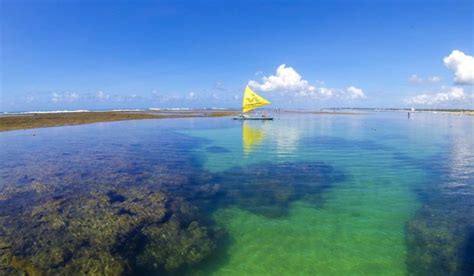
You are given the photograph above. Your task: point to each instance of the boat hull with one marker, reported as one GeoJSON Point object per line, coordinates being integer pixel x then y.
{"type": "Point", "coordinates": [254, 118]}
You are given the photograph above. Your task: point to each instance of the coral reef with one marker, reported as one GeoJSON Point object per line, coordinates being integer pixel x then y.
{"type": "Point", "coordinates": [172, 246]}
{"type": "Point", "coordinates": [79, 226]}
{"type": "Point", "coordinates": [102, 232]}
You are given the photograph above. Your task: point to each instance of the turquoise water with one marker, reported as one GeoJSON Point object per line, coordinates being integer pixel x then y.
{"type": "Point", "coordinates": [304, 194]}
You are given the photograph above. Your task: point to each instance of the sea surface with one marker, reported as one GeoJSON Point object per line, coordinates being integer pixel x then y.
{"type": "Point", "coordinates": [305, 194]}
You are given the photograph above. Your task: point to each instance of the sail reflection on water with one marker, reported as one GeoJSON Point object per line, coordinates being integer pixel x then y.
{"type": "Point", "coordinates": [252, 135]}
{"type": "Point", "coordinates": [281, 140]}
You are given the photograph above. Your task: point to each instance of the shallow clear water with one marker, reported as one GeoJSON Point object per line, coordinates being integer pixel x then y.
{"type": "Point", "coordinates": [305, 194]}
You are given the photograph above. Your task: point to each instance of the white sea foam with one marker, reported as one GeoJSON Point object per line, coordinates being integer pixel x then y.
{"type": "Point", "coordinates": [178, 108]}
{"type": "Point", "coordinates": [168, 108]}
{"type": "Point", "coordinates": [50, 111]}
{"type": "Point", "coordinates": [128, 109]}
{"type": "Point", "coordinates": [114, 110]}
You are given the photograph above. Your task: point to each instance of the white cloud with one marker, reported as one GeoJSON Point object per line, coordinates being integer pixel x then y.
{"type": "Point", "coordinates": [287, 80]}
{"type": "Point", "coordinates": [355, 93]}
{"type": "Point", "coordinates": [433, 79]}
{"type": "Point", "coordinates": [55, 98]}
{"type": "Point", "coordinates": [191, 96]}
{"type": "Point", "coordinates": [451, 94]}
{"type": "Point", "coordinates": [64, 98]}
{"type": "Point", "coordinates": [415, 79]}
{"type": "Point", "coordinates": [101, 96]}
{"type": "Point", "coordinates": [350, 93]}
{"type": "Point", "coordinates": [326, 92]}
{"type": "Point", "coordinates": [462, 65]}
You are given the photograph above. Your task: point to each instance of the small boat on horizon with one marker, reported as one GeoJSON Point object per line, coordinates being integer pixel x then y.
{"type": "Point", "coordinates": [250, 101]}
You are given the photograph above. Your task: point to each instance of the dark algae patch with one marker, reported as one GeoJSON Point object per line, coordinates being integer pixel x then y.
{"type": "Point", "coordinates": [147, 228]}
{"type": "Point", "coordinates": [440, 237]}
{"type": "Point", "coordinates": [268, 188]}
{"type": "Point", "coordinates": [88, 234]}
{"type": "Point", "coordinates": [100, 211]}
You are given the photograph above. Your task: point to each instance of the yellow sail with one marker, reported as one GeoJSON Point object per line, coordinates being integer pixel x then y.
{"type": "Point", "coordinates": [251, 100]}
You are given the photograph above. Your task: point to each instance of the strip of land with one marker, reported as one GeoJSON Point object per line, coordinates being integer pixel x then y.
{"type": "Point", "coordinates": [38, 120]}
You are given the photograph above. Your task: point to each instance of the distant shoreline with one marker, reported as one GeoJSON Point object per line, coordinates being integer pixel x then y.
{"type": "Point", "coordinates": [424, 110]}
{"type": "Point", "coordinates": [41, 119]}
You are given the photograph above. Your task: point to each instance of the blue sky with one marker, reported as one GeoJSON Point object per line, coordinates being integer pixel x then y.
{"type": "Point", "coordinates": [311, 54]}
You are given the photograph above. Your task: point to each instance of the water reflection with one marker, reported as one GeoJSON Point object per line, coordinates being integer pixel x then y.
{"type": "Point", "coordinates": [252, 135]}
{"type": "Point", "coordinates": [278, 137]}
{"type": "Point", "coordinates": [440, 235]}
{"type": "Point", "coordinates": [287, 139]}
{"type": "Point", "coordinates": [460, 160]}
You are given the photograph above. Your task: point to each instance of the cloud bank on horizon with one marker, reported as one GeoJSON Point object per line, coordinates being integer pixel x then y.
{"type": "Point", "coordinates": [446, 95]}
{"type": "Point", "coordinates": [462, 66]}
{"type": "Point", "coordinates": [289, 82]}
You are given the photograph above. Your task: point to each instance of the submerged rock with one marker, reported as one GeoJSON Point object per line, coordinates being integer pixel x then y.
{"type": "Point", "coordinates": [268, 188]}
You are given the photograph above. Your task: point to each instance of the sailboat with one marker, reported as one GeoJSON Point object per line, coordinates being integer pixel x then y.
{"type": "Point", "coordinates": [250, 101]}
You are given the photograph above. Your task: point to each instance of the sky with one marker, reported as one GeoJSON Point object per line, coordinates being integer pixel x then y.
{"type": "Point", "coordinates": [68, 55]}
